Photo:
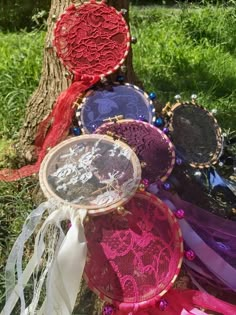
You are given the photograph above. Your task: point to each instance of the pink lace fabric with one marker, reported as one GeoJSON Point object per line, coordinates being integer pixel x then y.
{"type": "Point", "coordinates": [151, 145]}
{"type": "Point", "coordinates": [91, 39]}
{"type": "Point", "coordinates": [133, 258]}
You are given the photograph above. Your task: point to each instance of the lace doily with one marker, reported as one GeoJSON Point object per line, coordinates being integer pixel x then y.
{"type": "Point", "coordinates": [134, 259]}
{"type": "Point", "coordinates": [195, 134]}
{"type": "Point", "coordinates": [92, 39]}
{"type": "Point", "coordinates": [151, 145]}
{"type": "Point", "coordinates": [91, 172]}
{"type": "Point", "coordinates": [126, 100]}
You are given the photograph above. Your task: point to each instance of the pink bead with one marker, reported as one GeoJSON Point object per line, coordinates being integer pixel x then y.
{"type": "Point", "coordinates": [179, 214]}
{"type": "Point", "coordinates": [163, 305]}
{"type": "Point", "coordinates": [145, 181]}
{"type": "Point", "coordinates": [69, 225]}
{"type": "Point", "coordinates": [190, 255]}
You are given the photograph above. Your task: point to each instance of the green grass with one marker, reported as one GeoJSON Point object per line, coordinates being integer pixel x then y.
{"type": "Point", "coordinates": [188, 50]}
{"type": "Point", "coordinates": [180, 50]}
{"type": "Point", "coordinates": [20, 67]}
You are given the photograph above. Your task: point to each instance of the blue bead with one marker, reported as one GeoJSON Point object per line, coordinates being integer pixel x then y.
{"type": "Point", "coordinates": [152, 96]}
{"type": "Point", "coordinates": [120, 78]}
{"type": "Point", "coordinates": [167, 186]}
{"type": "Point", "coordinates": [159, 122]}
{"type": "Point", "coordinates": [76, 131]}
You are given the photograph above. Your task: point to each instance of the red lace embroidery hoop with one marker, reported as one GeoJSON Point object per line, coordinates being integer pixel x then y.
{"type": "Point", "coordinates": [91, 172]}
{"type": "Point", "coordinates": [92, 39]}
{"type": "Point", "coordinates": [134, 259]}
{"type": "Point", "coordinates": [90, 55]}
{"type": "Point", "coordinates": [151, 145]}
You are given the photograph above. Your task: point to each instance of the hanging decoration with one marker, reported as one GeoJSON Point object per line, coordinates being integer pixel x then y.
{"type": "Point", "coordinates": [92, 41]}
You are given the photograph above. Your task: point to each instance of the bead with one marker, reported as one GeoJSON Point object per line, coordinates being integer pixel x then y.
{"type": "Point", "coordinates": [142, 187]}
{"type": "Point", "coordinates": [123, 11]}
{"type": "Point", "coordinates": [221, 164]}
{"type": "Point", "coordinates": [108, 309]}
{"type": "Point", "coordinates": [165, 130]}
{"type": "Point", "coordinates": [152, 96]}
{"type": "Point", "coordinates": [143, 164]}
{"type": "Point", "coordinates": [179, 214]}
{"type": "Point", "coordinates": [163, 305]}
{"type": "Point", "coordinates": [167, 186]}
{"type": "Point", "coordinates": [145, 182]}
{"type": "Point", "coordinates": [76, 131]}
{"type": "Point", "coordinates": [159, 122]}
{"type": "Point", "coordinates": [190, 255]}
{"type": "Point", "coordinates": [121, 210]}
{"type": "Point", "coordinates": [177, 97]}
{"type": "Point", "coordinates": [69, 225]}
{"type": "Point", "coordinates": [134, 40]}
{"type": "Point", "coordinates": [179, 161]}
{"type": "Point", "coordinates": [214, 111]}
{"type": "Point", "coordinates": [194, 96]}
{"type": "Point", "coordinates": [198, 174]}
{"type": "Point", "coordinates": [120, 78]}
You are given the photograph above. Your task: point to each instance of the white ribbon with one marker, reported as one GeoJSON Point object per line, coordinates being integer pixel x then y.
{"type": "Point", "coordinates": [66, 256]}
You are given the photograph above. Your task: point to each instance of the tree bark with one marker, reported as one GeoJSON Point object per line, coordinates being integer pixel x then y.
{"type": "Point", "coordinates": [54, 79]}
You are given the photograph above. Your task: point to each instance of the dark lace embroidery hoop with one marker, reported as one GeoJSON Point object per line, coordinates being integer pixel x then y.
{"type": "Point", "coordinates": [134, 259]}
{"type": "Point", "coordinates": [127, 100]}
{"type": "Point", "coordinates": [196, 134]}
{"type": "Point", "coordinates": [151, 145]}
{"type": "Point", "coordinates": [82, 32]}
{"type": "Point", "coordinates": [74, 173]}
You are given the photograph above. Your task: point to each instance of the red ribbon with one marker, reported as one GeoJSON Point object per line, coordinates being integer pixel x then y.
{"type": "Point", "coordinates": [54, 128]}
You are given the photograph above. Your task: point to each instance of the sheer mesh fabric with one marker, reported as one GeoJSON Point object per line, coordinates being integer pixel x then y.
{"type": "Point", "coordinates": [133, 258]}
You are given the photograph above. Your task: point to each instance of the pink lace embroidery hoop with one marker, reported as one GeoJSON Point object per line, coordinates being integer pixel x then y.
{"type": "Point", "coordinates": [91, 172]}
{"type": "Point", "coordinates": [151, 145]}
{"type": "Point", "coordinates": [90, 43]}
{"type": "Point", "coordinates": [134, 259]}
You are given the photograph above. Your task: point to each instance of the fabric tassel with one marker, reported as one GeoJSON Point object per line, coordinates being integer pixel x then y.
{"type": "Point", "coordinates": [65, 258]}
{"type": "Point", "coordinates": [53, 129]}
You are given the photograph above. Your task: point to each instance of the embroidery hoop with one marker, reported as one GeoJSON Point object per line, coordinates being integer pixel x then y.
{"type": "Point", "coordinates": [79, 10]}
{"type": "Point", "coordinates": [129, 127]}
{"type": "Point", "coordinates": [213, 156]}
{"type": "Point", "coordinates": [128, 304]}
{"type": "Point", "coordinates": [90, 101]}
{"type": "Point", "coordinates": [98, 209]}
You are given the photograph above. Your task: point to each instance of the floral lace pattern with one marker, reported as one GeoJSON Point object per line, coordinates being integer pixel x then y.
{"type": "Point", "coordinates": [91, 39]}
{"type": "Point", "coordinates": [95, 172]}
{"type": "Point", "coordinates": [151, 146]}
{"type": "Point", "coordinates": [133, 258]}
{"type": "Point", "coordinates": [124, 100]}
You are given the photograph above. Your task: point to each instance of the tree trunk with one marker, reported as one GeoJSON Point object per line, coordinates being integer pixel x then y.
{"type": "Point", "coordinates": [54, 79]}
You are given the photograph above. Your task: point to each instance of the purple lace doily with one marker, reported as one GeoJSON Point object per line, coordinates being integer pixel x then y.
{"type": "Point", "coordinates": [151, 145]}
{"type": "Point", "coordinates": [126, 100]}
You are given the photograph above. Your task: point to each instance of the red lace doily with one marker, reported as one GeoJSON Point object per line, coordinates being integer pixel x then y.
{"type": "Point", "coordinates": [92, 39]}
{"type": "Point", "coordinates": [134, 259]}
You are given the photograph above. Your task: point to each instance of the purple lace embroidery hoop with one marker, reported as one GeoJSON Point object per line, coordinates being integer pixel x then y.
{"type": "Point", "coordinates": [151, 145]}
{"type": "Point", "coordinates": [127, 100]}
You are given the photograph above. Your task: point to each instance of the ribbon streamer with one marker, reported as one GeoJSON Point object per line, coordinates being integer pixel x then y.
{"type": "Point", "coordinates": [64, 266]}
